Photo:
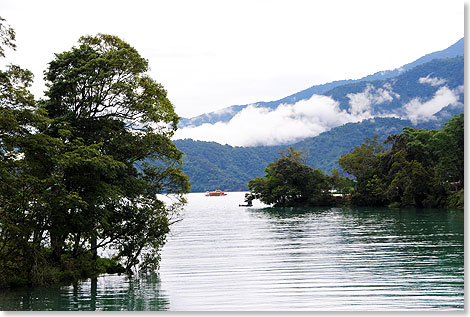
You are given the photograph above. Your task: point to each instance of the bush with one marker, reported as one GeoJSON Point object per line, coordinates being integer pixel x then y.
{"type": "Point", "coordinates": [456, 200]}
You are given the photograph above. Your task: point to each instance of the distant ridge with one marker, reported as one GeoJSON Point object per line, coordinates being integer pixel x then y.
{"type": "Point", "coordinates": [226, 114]}
{"type": "Point", "coordinates": [436, 82]}
{"type": "Point", "coordinates": [456, 49]}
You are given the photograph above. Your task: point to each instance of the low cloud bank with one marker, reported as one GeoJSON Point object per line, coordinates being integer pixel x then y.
{"type": "Point", "coordinates": [263, 126]}
{"type": "Point", "coordinates": [418, 111]}
{"type": "Point", "coordinates": [361, 103]}
{"type": "Point", "coordinates": [289, 123]}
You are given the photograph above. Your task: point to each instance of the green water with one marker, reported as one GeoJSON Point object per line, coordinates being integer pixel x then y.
{"type": "Point", "coordinates": [224, 257]}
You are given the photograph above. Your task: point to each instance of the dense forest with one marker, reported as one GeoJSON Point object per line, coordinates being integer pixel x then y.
{"type": "Point", "coordinates": [419, 168]}
{"type": "Point", "coordinates": [416, 168]}
{"type": "Point", "coordinates": [72, 177]}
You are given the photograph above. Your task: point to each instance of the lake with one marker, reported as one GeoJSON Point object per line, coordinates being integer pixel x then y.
{"type": "Point", "coordinates": [224, 257]}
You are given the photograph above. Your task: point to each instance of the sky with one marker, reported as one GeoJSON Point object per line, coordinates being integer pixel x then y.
{"type": "Point", "coordinates": [213, 54]}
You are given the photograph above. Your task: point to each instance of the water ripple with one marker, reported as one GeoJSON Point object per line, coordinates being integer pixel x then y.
{"type": "Point", "coordinates": [222, 257]}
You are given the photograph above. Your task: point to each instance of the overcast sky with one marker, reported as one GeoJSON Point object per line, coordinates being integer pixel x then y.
{"type": "Point", "coordinates": [214, 54]}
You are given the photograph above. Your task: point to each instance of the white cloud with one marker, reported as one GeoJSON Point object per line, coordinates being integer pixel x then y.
{"type": "Point", "coordinates": [418, 111]}
{"type": "Point", "coordinates": [433, 81]}
{"type": "Point", "coordinates": [362, 102]}
{"type": "Point", "coordinates": [289, 123]}
{"type": "Point", "coordinates": [285, 124]}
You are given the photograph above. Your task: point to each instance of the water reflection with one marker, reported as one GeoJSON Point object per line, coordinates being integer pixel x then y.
{"type": "Point", "coordinates": [405, 257]}
{"type": "Point", "coordinates": [288, 212]}
{"type": "Point", "coordinates": [108, 292]}
{"type": "Point", "coordinates": [224, 257]}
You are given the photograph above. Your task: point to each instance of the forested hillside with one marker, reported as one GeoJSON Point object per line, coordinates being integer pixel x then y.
{"type": "Point", "coordinates": [214, 166]}
{"type": "Point", "coordinates": [210, 165]}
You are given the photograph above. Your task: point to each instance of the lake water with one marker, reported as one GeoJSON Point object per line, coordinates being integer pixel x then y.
{"type": "Point", "coordinates": [224, 257]}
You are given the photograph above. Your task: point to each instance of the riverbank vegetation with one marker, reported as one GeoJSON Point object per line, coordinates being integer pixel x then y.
{"type": "Point", "coordinates": [416, 168]}
{"type": "Point", "coordinates": [73, 177]}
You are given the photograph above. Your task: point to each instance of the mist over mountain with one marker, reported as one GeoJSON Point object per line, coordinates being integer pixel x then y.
{"type": "Point", "coordinates": [225, 114]}
{"type": "Point", "coordinates": [340, 115]}
{"type": "Point", "coordinates": [417, 91]}
{"type": "Point", "coordinates": [211, 165]}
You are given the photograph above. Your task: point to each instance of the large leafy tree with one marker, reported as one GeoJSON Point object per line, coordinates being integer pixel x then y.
{"type": "Point", "coordinates": [290, 182]}
{"type": "Point", "coordinates": [74, 171]}
{"type": "Point", "coordinates": [112, 118]}
{"type": "Point", "coordinates": [361, 162]}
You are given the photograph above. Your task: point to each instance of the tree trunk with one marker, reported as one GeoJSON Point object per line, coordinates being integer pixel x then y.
{"type": "Point", "coordinates": [94, 249]}
{"type": "Point", "coordinates": [56, 245]}
{"type": "Point", "coordinates": [77, 243]}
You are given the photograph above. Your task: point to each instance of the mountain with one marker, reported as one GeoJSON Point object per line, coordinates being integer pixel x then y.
{"type": "Point", "coordinates": [225, 114]}
{"type": "Point", "coordinates": [413, 93]}
{"type": "Point", "coordinates": [389, 96]}
{"type": "Point", "coordinates": [424, 94]}
{"type": "Point", "coordinates": [418, 94]}
{"type": "Point", "coordinates": [211, 165]}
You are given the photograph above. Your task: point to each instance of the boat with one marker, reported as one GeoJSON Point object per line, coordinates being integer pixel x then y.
{"type": "Point", "coordinates": [216, 193]}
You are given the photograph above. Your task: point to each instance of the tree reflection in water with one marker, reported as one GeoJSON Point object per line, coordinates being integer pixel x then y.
{"type": "Point", "coordinates": [108, 292]}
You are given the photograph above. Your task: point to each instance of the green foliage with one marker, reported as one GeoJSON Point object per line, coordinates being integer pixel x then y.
{"type": "Point", "coordinates": [7, 37]}
{"type": "Point", "coordinates": [210, 165]}
{"type": "Point", "coordinates": [362, 159]}
{"type": "Point", "coordinates": [289, 182]}
{"type": "Point", "coordinates": [456, 200]}
{"type": "Point", "coordinates": [421, 168]}
{"type": "Point", "coordinates": [72, 177]}
{"type": "Point", "coordinates": [416, 168]}
{"type": "Point", "coordinates": [340, 184]}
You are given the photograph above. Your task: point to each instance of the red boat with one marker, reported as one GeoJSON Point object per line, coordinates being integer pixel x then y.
{"type": "Point", "coordinates": [216, 193]}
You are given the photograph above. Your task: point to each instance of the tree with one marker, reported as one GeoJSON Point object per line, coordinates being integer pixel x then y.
{"type": "Point", "coordinates": [113, 118]}
{"type": "Point", "coordinates": [341, 184]}
{"type": "Point", "coordinates": [421, 168]}
{"type": "Point", "coordinates": [362, 159]}
{"type": "Point", "coordinates": [289, 182]}
{"type": "Point", "coordinates": [361, 162]}
{"type": "Point", "coordinates": [7, 37]}
{"type": "Point", "coordinates": [449, 146]}
{"type": "Point", "coordinates": [408, 182]}
{"type": "Point", "coordinates": [74, 171]}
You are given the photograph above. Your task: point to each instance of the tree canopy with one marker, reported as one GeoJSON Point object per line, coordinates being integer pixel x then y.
{"type": "Point", "coordinates": [290, 182]}
{"type": "Point", "coordinates": [416, 168]}
{"type": "Point", "coordinates": [420, 168]}
{"type": "Point", "coordinates": [74, 172]}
